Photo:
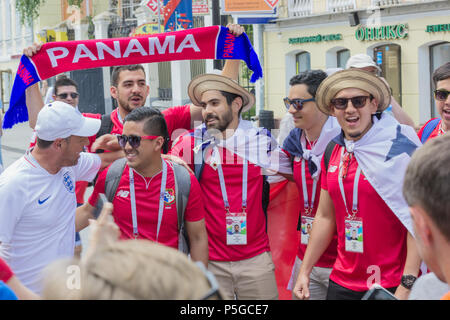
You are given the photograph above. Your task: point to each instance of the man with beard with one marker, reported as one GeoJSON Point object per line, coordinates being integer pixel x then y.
{"type": "Point", "coordinates": [145, 201]}
{"type": "Point", "coordinates": [130, 90]}
{"type": "Point", "coordinates": [229, 156]}
{"type": "Point", "coordinates": [361, 189]}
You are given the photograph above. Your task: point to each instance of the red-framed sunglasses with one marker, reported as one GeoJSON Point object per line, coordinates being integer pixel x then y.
{"type": "Point", "coordinates": [133, 140]}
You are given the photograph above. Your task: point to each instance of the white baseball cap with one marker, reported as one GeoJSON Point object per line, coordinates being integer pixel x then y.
{"type": "Point", "coordinates": [60, 120]}
{"type": "Point", "coordinates": [361, 60]}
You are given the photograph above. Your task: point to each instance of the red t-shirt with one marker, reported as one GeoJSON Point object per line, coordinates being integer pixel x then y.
{"type": "Point", "coordinates": [5, 271]}
{"type": "Point", "coordinates": [257, 239]}
{"type": "Point", "coordinates": [435, 133]}
{"type": "Point", "coordinates": [384, 236]}
{"type": "Point", "coordinates": [329, 256]}
{"type": "Point", "coordinates": [147, 206]}
{"type": "Point", "coordinates": [178, 120]}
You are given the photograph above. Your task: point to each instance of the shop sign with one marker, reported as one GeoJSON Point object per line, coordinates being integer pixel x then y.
{"type": "Point", "coordinates": [393, 32]}
{"type": "Point", "coordinates": [318, 38]}
{"type": "Point", "coordinates": [438, 28]}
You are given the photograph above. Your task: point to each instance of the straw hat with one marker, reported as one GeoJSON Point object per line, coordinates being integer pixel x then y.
{"type": "Point", "coordinates": [352, 78]}
{"type": "Point", "coordinates": [205, 82]}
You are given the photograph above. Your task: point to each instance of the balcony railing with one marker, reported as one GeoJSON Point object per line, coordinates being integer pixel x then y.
{"type": "Point", "coordinates": [340, 5]}
{"type": "Point", "coordinates": [300, 8]}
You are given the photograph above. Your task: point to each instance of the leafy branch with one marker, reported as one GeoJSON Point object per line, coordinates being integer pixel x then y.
{"type": "Point", "coordinates": [28, 10]}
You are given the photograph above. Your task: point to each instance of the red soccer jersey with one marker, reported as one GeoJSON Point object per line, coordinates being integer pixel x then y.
{"type": "Point", "coordinates": [147, 206]}
{"type": "Point", "coordinates": [435, 133]}
{"type": "Point", "coordinates": [329, 256]}
{"type": "Point", "coordinates": [257, 239]}
{"type": "Point", "coordinates": [384, 236]}
{"type": "Point", "coordinates": [5, 271]}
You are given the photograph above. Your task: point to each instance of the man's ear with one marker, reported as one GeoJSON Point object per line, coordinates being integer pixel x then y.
{"type": "Point", "coordinates": [422, 225]}
{"type": "Point", "coordinates": [113, 91]}
{"type": "Point", "coordinates": [373, 105]}
{"type": "Point", "coordinates": [237, 104]}
{"type": "Point", "coordinates": [57, 143]}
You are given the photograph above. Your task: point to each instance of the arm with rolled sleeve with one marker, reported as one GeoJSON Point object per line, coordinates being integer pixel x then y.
{"type": "Point", "coordinates": [194, 217]}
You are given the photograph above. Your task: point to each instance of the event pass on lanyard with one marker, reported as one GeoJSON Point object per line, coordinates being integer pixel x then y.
{"type": "Point", "coordinates": [236, 222]}
{"type": "Point", "coordinates": [353, 224]}
{"type": "Point", "coordinates": [236, 228]}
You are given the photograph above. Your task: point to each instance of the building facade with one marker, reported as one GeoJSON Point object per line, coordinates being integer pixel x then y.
{"type": "Point", "coordinates": [407, 39]}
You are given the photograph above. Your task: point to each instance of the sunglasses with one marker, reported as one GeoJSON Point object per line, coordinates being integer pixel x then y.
{"type": "Point", "coordinates": [74, 95]}
{"type": "Point", "coordinates": [214, 291]}
{"type": "Point", "coordinates": [441, 94]}
{"type": "Point", "coordinates": [357, 102]}
{"type": "Point", "coordinates": [296, 103]}
{"type": "Point", "coordinates": [134, 141]}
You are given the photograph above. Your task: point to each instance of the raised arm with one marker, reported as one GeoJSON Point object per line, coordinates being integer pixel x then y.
{"type": "Point", "coordinates": [33, 94]}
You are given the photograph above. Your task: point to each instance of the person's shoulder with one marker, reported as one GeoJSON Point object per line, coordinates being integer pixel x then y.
{"type": "Point", "coordinates": [17, 173]}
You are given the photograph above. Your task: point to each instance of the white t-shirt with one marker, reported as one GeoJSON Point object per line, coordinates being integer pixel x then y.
{"type": "Point", "coordinates": [37, 214]}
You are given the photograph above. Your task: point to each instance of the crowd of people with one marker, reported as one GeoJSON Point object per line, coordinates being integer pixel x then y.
{"type": "Point", "coordinates": [371, 205]}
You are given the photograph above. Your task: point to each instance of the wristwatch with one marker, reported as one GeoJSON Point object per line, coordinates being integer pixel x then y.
{"type": "Point", "coordinates": [408, 281]}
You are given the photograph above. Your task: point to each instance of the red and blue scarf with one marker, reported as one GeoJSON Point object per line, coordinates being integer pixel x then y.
{"type": "Point", "coordinates": [213, 42]}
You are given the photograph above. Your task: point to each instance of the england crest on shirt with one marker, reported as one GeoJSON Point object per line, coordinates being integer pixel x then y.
{"type": "Point", "coordinates": [68, 182]}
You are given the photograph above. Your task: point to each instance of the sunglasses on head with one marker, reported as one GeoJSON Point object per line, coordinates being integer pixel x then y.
{"type": "Point", "coordinates": [357, 102]}
{"type": "Point", "coordinates": [134, 141]}
{"type": "Point", "coordinates": [441, 94]}
{"type": "Point", "coordinates": [296, 103]}
{"type": "Point", "coordinates": [74, 95]}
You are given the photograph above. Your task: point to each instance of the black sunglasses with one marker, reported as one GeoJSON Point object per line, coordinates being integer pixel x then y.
{"type": "Point", "coordinates": [74, 95]}
{"type": "Point", "coordinates": [296, 103]}
{"type": "Point", "coordinates": [441, 94]}
{"type": "Point", "coordinates": [134, 141]}
{"type": "Point", "coordinates": [357, 102]}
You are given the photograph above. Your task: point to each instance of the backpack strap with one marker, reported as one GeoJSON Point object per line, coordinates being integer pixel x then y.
{"type": "Point", "coordinates": [199, 164]}
{"type": "Point", "coordinates": [182, 189]}
{"type": "Point", "coordinates": [328, 151]}
{"type": "Point", "coordinates": [429, 128]}
{"type": "Point", "coordinates": [105, 126]}
{"type": "Point", "coordinates": [113, 176]}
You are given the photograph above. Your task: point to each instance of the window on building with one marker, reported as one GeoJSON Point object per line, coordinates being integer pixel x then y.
{"type": "Point", "coordinates": [198, 66]}
{"type": "Point", "coordinates": [342, 56]}
{"type": "Point", "coordinates": [439, 54]}
{"type": "Point", "coordinates": [388, 57]}
{"type": "Point", "coordinates": [303, 62]}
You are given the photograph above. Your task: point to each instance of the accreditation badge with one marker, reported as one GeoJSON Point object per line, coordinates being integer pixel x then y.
{"type": "Point", "coordinates": [306, 229]}
{"type": "Point", "coordinates": [236, 228]}
{"type": "Point", "coordinates": [354, 235]}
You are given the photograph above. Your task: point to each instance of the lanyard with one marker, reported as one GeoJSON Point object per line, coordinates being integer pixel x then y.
{"type": "Point", "coordinates": [306, 205]}
{"type": "Point", "coordinates": [223, 188]}
{"type": "Point", "coordinates": [161, 201]}
{"type": "Point", "coordinates": [355, 187]}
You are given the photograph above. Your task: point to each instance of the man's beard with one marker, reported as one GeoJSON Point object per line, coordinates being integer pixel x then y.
{"type": "Point", "coordinates": [125, 104]}
{"type": "Point", "coordinates": [222, 124]}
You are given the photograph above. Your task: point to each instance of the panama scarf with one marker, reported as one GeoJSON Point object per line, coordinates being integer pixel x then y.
{"type": "Point", "coordinates": [213, 42]}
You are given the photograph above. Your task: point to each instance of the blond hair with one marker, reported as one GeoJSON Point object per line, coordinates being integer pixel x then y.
{"type": "Point", "coordinates": [129, 269]}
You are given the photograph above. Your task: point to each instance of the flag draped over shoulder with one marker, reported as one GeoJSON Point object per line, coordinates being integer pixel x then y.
{"type": "Point", "coordinates": [213, 42]}
{"type": "Point", "coordinates": [383, 154]}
